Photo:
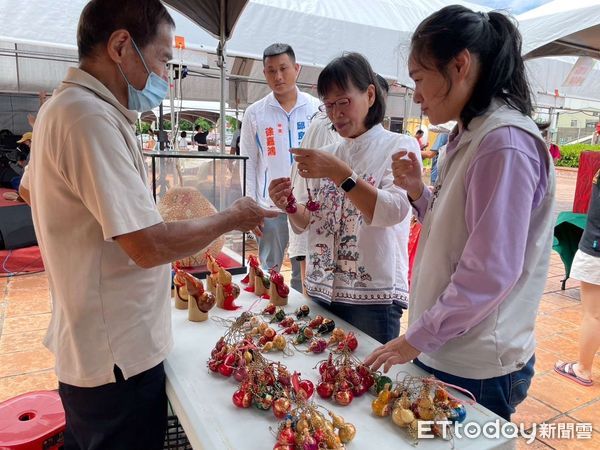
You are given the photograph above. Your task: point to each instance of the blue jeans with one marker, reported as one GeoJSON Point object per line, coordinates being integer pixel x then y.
{"type": "Point", "coordinates": [125, 415]}
{"type": "Point", "coordinates": [272, 245]}
{"type": "Point", "coordinates": [381, 322]}
{"type": "Point", "coordinates": [500, 394]}
{"type": "Point", "coordinates": [15, 183]}
{"type": "Point", "coordinates": [296, 280]}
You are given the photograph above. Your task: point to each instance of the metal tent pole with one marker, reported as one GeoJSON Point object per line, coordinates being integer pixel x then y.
{"type": "Point", "coordinates": [222, 67]}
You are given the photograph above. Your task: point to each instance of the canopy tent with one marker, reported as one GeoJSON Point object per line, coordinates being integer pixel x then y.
{"type": "Point", "coordinates": [218, 17]}
{"type": "Point", "coordinates": [60, 17]}
{"type": "Point", "coordinates": [550, 33]}
{"type": "Point", "coordinates": [547, 78]}
{"type": "Point", "coordinates": [190, 115]}
{"type": "Point", "coordinates": [562, 27]}
{"type": "Point", "coordinates": [321, 30]}
{"type": "Point", "coordinates": [318, 30]}
{"type": "Point", "coordinates": [192, 110]}
{"type": "Point", "coordinates": [32, 60]}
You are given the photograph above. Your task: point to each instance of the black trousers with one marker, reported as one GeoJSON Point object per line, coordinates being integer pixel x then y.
{"type": "Point", "coordinates": [126, 415]}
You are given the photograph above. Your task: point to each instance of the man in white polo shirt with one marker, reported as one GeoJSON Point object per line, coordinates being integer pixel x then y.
{"type": "Point", "coordinates": [272, 126]}
{"type": "Point", "coordinates": [104, 244]}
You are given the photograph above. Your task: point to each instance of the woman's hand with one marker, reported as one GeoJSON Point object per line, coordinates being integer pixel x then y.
{"type": "Point", "coordinates": [320, 164]}
{"type": "Point", "coordinates": [279, 191]}
{"type": "Point", "coordinates": [407, 173]}
{"type": "Point", "coordinates": [396, 351]}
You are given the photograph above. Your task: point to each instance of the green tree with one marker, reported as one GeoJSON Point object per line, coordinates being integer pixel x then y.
{"type": "Point", "coordinates": [233, 122]}
{"type": "Point", "coordinates": [204, 123]}
{"type": "Point", "coordinates": [144, 128]}
{"type": "Point", "coordinates": [185, 125]}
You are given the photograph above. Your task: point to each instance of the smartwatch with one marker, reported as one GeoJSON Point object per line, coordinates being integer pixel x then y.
{"type": "Point", "coordinates": [349, 183]}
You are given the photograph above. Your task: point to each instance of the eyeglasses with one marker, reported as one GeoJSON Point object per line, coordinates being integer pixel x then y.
{"type": "Point", "coordinates": [341, 103]}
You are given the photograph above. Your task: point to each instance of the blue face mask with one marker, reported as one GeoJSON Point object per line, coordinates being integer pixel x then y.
{"type": "Point", "coordinates": [153, 93]}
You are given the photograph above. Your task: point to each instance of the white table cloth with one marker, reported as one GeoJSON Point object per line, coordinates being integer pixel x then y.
{"type": "Point", "coordinates": [202, 399]}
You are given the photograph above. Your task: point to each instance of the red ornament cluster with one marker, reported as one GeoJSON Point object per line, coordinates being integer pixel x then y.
{"type": "Point", "coordinates": [269, 385]}
{"type": "Point", "coordinates": [292, 205]}
{"type": "Point", "coordinates": [343, 378]}
{"type": "Point", "coordinates": [312, 205]}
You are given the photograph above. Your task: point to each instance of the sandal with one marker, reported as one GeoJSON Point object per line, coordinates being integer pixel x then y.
{"type": "Point", "coordinates": [566, 370]}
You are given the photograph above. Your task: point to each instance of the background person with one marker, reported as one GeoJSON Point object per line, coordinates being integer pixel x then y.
{"type": "Point", "coordinates": [11, 171]}
{"type": "Point", "coordinates": [235, 140]}
{"type": "Point", "coordinates": [183, 143]}
{"type": "Point", "coordinates": [439, 144]}
{"type": "Point", "coordinates": [596, 134]}
{"type": "Point", "coordinates": [552, 148]}
{"type": "Point", "coordinates": [200, 138]}
{"type": "Point", "coordinates": [272, 126]}
{"type": "Point", "coordinates": [419, 137]}
{"type": "Point", "coordinates": [151, 144]}
{"type": "Point", "coordinates": [586, 269]}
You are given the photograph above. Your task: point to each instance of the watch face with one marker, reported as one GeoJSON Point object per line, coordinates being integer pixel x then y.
{"type": "Point", "coordinates": [348, 184]}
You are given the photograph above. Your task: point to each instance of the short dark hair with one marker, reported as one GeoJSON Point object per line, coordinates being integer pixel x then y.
{"type": "Point", "coordinates": [383, 84]}
{"type": "Point", "coordinates": [183, 134]}
{"type": "Point", "coordinates": [542, 126]}
{"type": "Point", "coordinates": [197, 127]}
{"type": "Point", "coordinates": [101, 18]}
{"type": "Point", "coordinates": [279, 49]}
{"type": "Point", "coordinates": [353, 69]}
{"type": "Point", "coordinates": [419, 132]}
{"type": "Point", "coordinates": [496, 41]}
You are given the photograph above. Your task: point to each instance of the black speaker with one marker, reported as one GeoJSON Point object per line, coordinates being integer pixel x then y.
{"type": "Point", "coordinates": [16, 227]}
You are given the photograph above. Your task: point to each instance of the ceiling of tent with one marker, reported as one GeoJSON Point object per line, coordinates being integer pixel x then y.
{"type": "Point", "coordinates": [562, 27]}
{"type": "Point", "coordinates": [191, 115]}
{"type": "Point", "coordinates": [318, 30]}
{"type": "Point", "coordinates": [547, 75]}
{"type": "Point", "coordinates": [321, 30]}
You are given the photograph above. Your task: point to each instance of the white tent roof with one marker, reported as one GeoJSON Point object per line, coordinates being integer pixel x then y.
{"type": "Point", "coordinates": [318, 30]}
{"type": "Point", "coordinates": [547, 75]}
{"type": "Point", "coordinates": [35, 56]}
{"type": "Point", "coordinates": [562, 27]}
{"type": "Point", "coordinates": [321, 30]}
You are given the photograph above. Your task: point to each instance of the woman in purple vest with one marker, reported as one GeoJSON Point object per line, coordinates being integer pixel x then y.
{"type": "Point", "coordinates": [484, 252]}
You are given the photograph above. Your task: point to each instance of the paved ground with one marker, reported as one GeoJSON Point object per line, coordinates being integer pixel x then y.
{"type": "Point", "coordinates": [25, 365]}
